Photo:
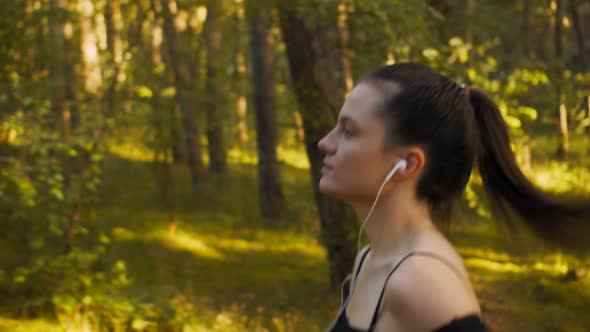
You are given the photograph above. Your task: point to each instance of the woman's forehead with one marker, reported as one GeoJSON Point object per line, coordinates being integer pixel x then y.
{"type": "Point", "coordinates": [362, 102]}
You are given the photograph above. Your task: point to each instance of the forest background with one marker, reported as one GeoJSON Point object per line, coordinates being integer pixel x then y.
{"type": "Point", "coordinates": [159, 162]}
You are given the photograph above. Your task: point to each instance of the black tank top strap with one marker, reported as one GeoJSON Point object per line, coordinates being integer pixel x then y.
{"type": "Point", "coordinates": [375, 313]}
{"type": "Point", "coordinates": [417, 253]}
{"type": "Point", "coordinates": [358, 268]}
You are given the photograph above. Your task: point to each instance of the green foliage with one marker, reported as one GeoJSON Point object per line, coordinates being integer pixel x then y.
{"type": "Point", "coordinates": [47, 187]}
{"type": "Point", "coordinates": [89, 247]}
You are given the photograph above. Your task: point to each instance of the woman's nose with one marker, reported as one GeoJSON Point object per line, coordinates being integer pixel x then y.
{"type": "Point", "coordinates": [326, 145]}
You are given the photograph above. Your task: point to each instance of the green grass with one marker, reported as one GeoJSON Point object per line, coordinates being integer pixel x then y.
{"type": "Point", "coordinates": [226, 270]}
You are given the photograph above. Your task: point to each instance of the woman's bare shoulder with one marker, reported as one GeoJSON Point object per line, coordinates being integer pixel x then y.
{"type": "Point", "coordinates": [425, 293]}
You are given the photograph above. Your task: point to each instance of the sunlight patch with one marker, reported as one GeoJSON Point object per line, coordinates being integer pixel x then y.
{"type": "Point", "coordinates": [123, 234]}
{"type": "Point", "coordinates": [296, 158]}
{"type": "Point", "coordinates": [131, 152]}
{"type": "Point", "coordinates": [242, 156]}
{"type": "Point", "coordinates": [241, 245]}
{"type": "Point", "coordinates": [493, 266]}
{"type": "Point", "coordinates": [485, 253]}
{"type": "Point", "coordinates": [192, 244]}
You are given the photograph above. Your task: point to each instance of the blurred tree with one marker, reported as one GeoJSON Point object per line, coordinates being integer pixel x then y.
{"type": "Point", "coordinates": [240, 73]}
{"type": "Point", "coordinates": [319, 111]}
{"type": "Point", "coordinates": [580, 35]}
{"type": "Point", "coordinates": [272, 201]}
{"type": "Point", "coordinates": [183, 82]}
{"type": "Point", "coordinates": [559, 68]}
{"type": "Point", "coordinates": [58, 66]}
{"type": "Point", "coordinates": [215, 117]}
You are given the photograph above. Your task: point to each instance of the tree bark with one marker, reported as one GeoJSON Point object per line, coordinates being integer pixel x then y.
{"type": "Point", "coordinates": [563, 146]}
{"type": "Point", "coordinates": [212, 31]}
{"type": "Point", "coordinates": [240, 80]}
{"type": "Point", "coordinates": [344, 36]}
{"type": "Point", "coordinates": [183, 84]}
{"type": "Point", "coordinates": [112, 18]}
{"type": "Point", "coordinates": [272, 202]}
{"type": "Point", "coordinates": [57, 65]}
{"type": "Point", "coordinates": [581, 41]}
{"type": "Point", "coordinates": [527, 23]}
{"type": "Point", "coordinates": [338, 223]}
{"type": "Point", "coordinates": [580, 34]}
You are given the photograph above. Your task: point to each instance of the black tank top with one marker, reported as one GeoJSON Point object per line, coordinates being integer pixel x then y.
{"type": "Point", "coordinates": [471, 323]}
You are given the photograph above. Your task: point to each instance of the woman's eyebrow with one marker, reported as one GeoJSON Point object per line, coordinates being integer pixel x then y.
{"type": "Point", "coordinates": [346, 119]}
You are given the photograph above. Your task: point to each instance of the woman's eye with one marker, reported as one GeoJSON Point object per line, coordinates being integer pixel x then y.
{"type": "Point", "coordinates": [347, 131]}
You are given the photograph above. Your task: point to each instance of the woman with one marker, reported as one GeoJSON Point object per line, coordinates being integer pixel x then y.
{"type": "Point", "coordinates": [410, 278]}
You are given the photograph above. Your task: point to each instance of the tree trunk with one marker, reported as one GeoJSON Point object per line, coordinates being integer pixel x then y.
{"type": "Point", "coordinates": [581, 41]}
{"type": "Point", "coordinates": [240, 80]}
{"type": "Point", "coordinates": [272, 202]}
{"type": "Point", "coordinates": [527, 23]}
{"type": "Point", "coordinates": [469, 11]}
{"type": "Point", "coordinates": [529, 54]}
{"type": "Point", "coordinates": [579, 32]}
{"type": "Point", "coordinates": [183, 84]}
{"type": "Point", "coordinates": [212, 31]}
{"type": "Point", "coordinates": [163, 156]}
{"type": "Point", "coordinates": [57, 65]}
{"type": "Point", "coordinates": [338, 223]}
{"type": "Point", "coordinates": [112, 18]}
{"type": "Point", "coordinates": [90, 60]}
{"type": "Point", "coordinates": [563, 146]}
{"type": "Point", "coordinates": [344, 37]}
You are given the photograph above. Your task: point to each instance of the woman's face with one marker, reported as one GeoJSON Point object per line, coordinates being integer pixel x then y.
{"type": "Point", "coordinates": [356, 159]}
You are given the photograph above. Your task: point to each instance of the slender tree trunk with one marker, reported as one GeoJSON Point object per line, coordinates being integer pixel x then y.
{"type": "Point", "coordinates": [112, 18]}
{"type": "Point", "coordinates": [212, 31]}
{"type": "Point", "coordinates": [57, 66]}
{"type": "Point", "coordinates": [469, 11]}
{"type": "Point", "coordinates": [563, 147]}
{"type": "Point", "coordinates": [164, 159]}
{"type": "Point", "coordinates": [184, 84]}
{"type": "Point", "coordinates": [272, 202]}
{"type": "Point", "coordinates": [529, 54]}
{"type": "Point", "coordinates": [527, 24]}
{"type": "Point", "coordinates": [581, 41]}
{"type": "Point", "coordinates": [338, 223]}
{"type": "Point", "coordinates": [580, 35]}
{"type": "Point", "coordinates": [91, 62]}
{"type": "Point", "coordinates": [344, 37]}
{"type": "Point", "coordinates": [241, 101]}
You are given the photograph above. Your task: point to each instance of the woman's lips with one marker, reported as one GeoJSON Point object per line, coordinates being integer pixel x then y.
{"type": "Point", "coordinates": [326, 167]}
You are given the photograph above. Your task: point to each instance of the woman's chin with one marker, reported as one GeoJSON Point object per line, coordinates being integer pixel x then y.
{"type": "Point", "coordinates": [329, 190]}
{"type": "Point", "coordinates": [325, 187]}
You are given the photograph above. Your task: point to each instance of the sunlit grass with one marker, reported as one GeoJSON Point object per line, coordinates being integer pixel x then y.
{"type": "Point", "coordinates": [560, 177]}
{"type": "Point", "coordinates": [28, 325]}
{"type": "Point", "coordinates": [226, 270]}
{"type": "Point", "coordinates": [291, 156]}
{"type": "Point", "coordinates": [294, 157]}
{"type": "Point", "coordinates": [135, 152]}
{"type": "Point", "coordinates": [181, 241]}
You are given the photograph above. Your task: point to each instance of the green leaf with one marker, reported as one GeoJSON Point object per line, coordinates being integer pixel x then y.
{"type": "Point", "coordinates": [57, 193]}
{"type": "Point", "coordinates": [528, 113]}
{"type": "Point", "coordinates": [139, 324]}
{"type": "Point", "coordinates": [144, 92]}
{"type": "Point", "coordinates": [512, 121]}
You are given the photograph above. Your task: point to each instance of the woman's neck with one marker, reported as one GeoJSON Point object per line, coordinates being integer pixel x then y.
{"type": "Point", "coordinates": [395, 224]}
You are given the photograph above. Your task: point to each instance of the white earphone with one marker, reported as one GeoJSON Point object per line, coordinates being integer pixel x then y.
{"type": "Point", "coordinates": [400, 165]}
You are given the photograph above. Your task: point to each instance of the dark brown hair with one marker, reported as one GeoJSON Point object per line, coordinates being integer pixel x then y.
{"type": "Point", "coordinates": [458, 127]}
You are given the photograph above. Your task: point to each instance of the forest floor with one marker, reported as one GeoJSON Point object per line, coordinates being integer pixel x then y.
{"type": "Point", "coordinates": [223, 269]}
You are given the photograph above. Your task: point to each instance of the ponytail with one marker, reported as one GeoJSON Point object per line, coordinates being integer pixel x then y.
{"type": "Point", "coordinates": [566, 224]}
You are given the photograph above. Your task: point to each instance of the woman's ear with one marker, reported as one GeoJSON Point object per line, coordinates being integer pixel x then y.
{"type": "Point", "coordinates": [415, 160]}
